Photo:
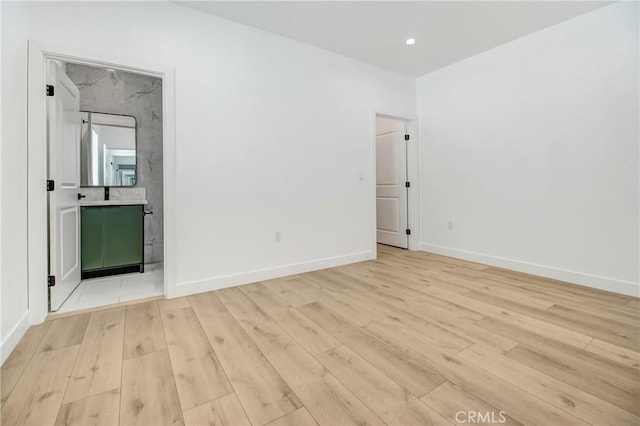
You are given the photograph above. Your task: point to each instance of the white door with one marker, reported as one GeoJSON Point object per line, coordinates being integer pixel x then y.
{"type": "Point", "coordinates": [391, 176]}
{"type": "Point", "coordinates": [63, 130]}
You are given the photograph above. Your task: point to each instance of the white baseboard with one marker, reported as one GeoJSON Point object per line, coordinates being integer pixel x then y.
{"type": "Point", "coordinates": [216, 283]}
{"type": "Point", "coordinates": [9, 343]}
{"type": "Point", "coordinates": [628, 288]}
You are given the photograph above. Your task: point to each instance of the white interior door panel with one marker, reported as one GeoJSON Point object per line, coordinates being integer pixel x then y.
{"type": "Point", "coordinates": [63, 131]}
{"type": "Point", "coordinates": [391, 175]}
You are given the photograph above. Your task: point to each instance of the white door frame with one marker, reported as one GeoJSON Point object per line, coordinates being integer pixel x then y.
{"type": "Point", "coordinates": [413, 174]}
{"type": "Point", "coordinates": [37, 166]}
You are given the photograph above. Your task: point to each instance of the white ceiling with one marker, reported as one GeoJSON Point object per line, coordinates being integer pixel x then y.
{"type": "Point", "coordinates": [375, 32]}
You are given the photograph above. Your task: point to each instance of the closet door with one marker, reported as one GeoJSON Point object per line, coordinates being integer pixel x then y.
{"type": "Point", "coordinates": [391, 175]}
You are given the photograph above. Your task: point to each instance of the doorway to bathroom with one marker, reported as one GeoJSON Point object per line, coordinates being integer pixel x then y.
{"type": "Point", "coordinates": [114, 235]}
{"type": "Point", "coordinates": [97, 138]}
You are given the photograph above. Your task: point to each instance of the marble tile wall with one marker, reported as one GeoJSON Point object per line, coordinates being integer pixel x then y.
{"type": "Point", "coordinates": [118, 92]}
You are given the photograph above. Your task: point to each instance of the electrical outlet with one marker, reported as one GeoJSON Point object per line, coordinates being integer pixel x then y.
{"type": "Point", "coordinates": [278, 236]}
{"type": "Point", "coordinates": [450, 225]}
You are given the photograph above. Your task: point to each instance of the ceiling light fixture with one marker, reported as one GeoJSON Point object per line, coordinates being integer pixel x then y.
{"type": "Point", "coordinates": [411, 41]}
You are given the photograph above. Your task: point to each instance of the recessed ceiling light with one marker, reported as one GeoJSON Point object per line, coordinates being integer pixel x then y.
{"type": "Point", "coordinates": [410, 41]}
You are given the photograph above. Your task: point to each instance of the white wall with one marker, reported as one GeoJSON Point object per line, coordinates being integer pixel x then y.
{"type": "Point", "coordinates": [531, 149]}
{"type": "Point", "coordinates": [271, 135]}
{"type": "Point", "coordinates": [13, 265]}
{"type": "Point", "coordinates": [1, 239]}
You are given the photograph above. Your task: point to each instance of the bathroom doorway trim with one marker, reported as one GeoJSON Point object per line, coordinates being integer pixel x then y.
{"type": "Point", "coordinates": [38, 55]}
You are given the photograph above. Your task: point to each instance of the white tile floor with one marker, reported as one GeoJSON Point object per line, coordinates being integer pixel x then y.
{"type": "Point", "coordinates": [118, 288]}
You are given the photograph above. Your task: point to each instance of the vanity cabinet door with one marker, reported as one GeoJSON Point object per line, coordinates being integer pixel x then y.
{"type": "Point", "coordinates": [92, 238]}
{"type": "Point", "coordinates": [123, 233]}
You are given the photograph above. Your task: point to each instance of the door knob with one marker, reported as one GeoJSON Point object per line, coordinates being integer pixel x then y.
{"type": "Point", "coordinates": [80, 196]}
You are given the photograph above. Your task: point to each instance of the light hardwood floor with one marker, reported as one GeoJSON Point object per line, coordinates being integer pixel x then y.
{"type": "Point", "coordinates": [409, 339]}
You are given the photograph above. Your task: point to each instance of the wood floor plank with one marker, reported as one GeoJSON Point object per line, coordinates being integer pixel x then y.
{"type": "Point", "coordinates": [605, 387]}
{"type": "Point", "coordinates": [573, 290]}
{"type": "Point", "coordinates": [455, 278]}
{"type": "Point", "coordinates": [566, 397]}
{"type": "Point", "coordinates": [559, 290]}
{"type": "Point", "coordinates": [102, 409]}
{"type": "Point", "coordinates": [525, 322]}
{"type": "Point", "coordinates": [410, 373]}
{"type": "Point", "coordinates": [354, 312]}
{"type": "Point", "coordinates": [497, 392]}
{"type": "Point", "coordinates": [459, 327]}
{"type": "Point", "coordinates": [266, 299]}
{"type": "Point", "coordinates": [328, 400]}
{"type": "Point", "coordinates": [99, 364]}
{"type": "Point", "coordinates": [290, 290]}
{"type": "Point", "coordinates": [262, 392]}
{"type": "Point", "coordinates": [239, 304]}
{"type": "Point", "coordinates": [615, 353]}
{"type": "Point", "coordinates": [143, 330]}
{"type": "Point", "coordinates": [600, 327]}
{"type": "Point", "coordinates": [149, 395]}
{"type": "Point", "coordinates": [561, 354]}
{"type": "Point", "coordinates": [612, 331]}
{"type": "Point", "coordinates": [386, 398]}
{"type": "Point", "coordinates": [304, 331]}
{"type": "Point", "coordinates": [304, 374]}
{"type": "Point", "coordinates": [19, 358]}
{"type": "Point", "coordinates": [64, 332]}
{"type": "Point", "coordinates": [225, 410]}
{"type": "Point", "coordinates": [315, 281]}
{"type": "Point", "coordinates": [445, 339]}
{"type": "Point", "coordinates": [177, 303]}
{"type": "Point", "coordinates": [300, 417]}
{"type": "Point", "coordinates": [424, 302]}
{"type": "Point", "coordinates": [509, 293]}
{"type": "Point", "coordinates": [418, 278]}
{"type": "Point", "coordinates": [630, 318]}
{"type": "Point", "coordinates": [435, 258]}
{"type": "Point", "coordinates": [456, 406]}
{"type": "Point", "coordinates": [344, 281]}
{"type": "Point", "coordinates": [197, 372]}
{"type": "Point", "coordinates": [547, 294]}
{"type": "Point", "coordinates": [38, 396]}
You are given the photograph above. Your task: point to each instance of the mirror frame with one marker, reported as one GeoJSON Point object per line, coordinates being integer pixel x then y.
{"type": "Point", "coordinates": [135, 130]}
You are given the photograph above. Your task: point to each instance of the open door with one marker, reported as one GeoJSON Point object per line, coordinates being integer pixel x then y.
{"type": "Point", "coordinates": [391, 178]}
{"type": "Point", "coordinates": [63, 130]}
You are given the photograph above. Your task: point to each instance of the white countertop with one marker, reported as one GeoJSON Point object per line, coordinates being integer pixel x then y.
{"type": "Point", "coordinates": [112, 203]}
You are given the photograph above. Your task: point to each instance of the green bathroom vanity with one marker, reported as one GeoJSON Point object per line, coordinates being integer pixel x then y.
{"type": "Point", "coordinates": [112, 239]}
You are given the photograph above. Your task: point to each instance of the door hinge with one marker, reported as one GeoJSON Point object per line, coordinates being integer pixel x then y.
{"type": "Point", "coordinates": [51, 280]}
{"type": "Point", "coordinates": [406, 137]}
{"type": "Point", "coordinates": [408, 231]}
{"type": "Point", "coordinates": [51, 185]}
{"type": "Point", "coordinates": [50, 90]}
{"type": "Point", "coordinates": [407, 184]}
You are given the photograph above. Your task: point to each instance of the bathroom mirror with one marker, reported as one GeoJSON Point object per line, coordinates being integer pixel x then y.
{"type": "Point", "coordinates": [107, 150]}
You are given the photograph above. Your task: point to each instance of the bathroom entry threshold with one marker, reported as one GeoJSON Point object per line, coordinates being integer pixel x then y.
{"type": "Point", "coordinates": [99, 292]}
{"type": "Point", "coordinates": [57, 315]}
{"type": "Point", "coordinates": [108, 272]}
